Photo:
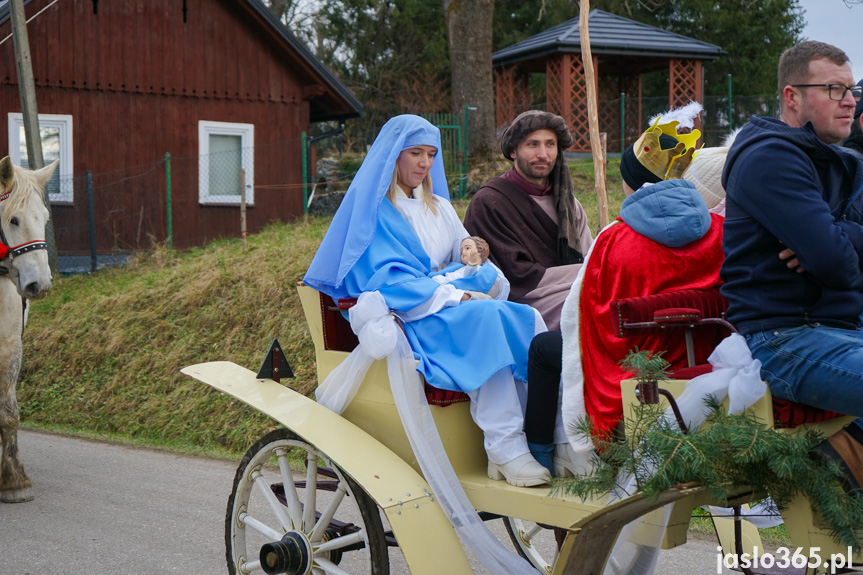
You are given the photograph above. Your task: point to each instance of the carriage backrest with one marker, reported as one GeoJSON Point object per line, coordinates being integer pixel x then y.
{"type": "Point", "coordinates": [338, 335]}
{"type": "Point", "coordinates": [690, 309]}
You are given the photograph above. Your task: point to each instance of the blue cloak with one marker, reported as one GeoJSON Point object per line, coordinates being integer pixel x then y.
{"type": "Point", "coordinates": [458, 347]}
{"type": "Point", "coordinates": [481, 282]}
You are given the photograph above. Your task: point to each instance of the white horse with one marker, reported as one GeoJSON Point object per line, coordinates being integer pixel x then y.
{"type": "Point", "coordinates": [24, 275]}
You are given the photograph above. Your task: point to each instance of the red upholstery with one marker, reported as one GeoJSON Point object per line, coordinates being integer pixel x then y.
{"type": "Point", "coordinates": [788, 414]}
{"type": "Point", "coordinates": [643, 310]}
{"type": "Point", "coordinates": [688, 307]}
{"type": "Point", "coordinates": [677, 315]}
{"type": "Point", "coordinates": [690, 372]}
{"type": "Point", "coordinates": [337, 331]}
{"type": "Point", "coordinates": [338, 336]}
{"type": "Point", "coordinates": [444, 397]}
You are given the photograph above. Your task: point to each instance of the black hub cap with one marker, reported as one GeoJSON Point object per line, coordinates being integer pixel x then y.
{"type": "Point", "coordinates": [289, 556]}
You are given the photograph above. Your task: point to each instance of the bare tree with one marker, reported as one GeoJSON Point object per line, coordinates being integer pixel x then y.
{"type": "Point", "coordinates": [297, 15]}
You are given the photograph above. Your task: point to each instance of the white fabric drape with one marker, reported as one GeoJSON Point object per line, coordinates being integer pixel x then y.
{"type": "Point", "coordinates": [735, 375]}
{"type": "Point", "coordinates": [381, 337]}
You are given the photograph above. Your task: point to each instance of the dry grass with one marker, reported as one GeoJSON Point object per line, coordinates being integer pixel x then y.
{"type": "Point", "coordinates": [103, 351]}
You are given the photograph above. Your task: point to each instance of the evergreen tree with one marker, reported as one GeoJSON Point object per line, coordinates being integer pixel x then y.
{"type": "Point", "coordinates": [397, 55]}
{"type": "Point", "coordinates": [753, 33]}
{"type": "Point", "coordinates": [391, 53]}
{"type": "Point", "coordinates": [753, 43]}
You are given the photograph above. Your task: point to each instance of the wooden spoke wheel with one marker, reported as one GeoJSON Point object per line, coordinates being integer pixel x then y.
{"type": "Point", "coordinates": [318, 521]}
{"type": "Point", "coordinates": [534, 542]}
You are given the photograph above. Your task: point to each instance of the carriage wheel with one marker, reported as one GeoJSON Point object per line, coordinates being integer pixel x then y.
{"type": "Point", "coordinates": [322, 523]}
{"type": "Point", "coordinates": [539, 544]}
{"type": "Point", "coordinates": [534, 542]}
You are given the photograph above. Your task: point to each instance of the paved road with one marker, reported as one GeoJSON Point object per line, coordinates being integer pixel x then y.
{"type": "Point", "coordinates": [106, 509]}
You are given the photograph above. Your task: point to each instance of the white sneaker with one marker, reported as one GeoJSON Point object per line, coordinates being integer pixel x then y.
{"type": "Point", "coordinates": [523, 471]}
{"type": "Point", "coordinates": [568, 461]}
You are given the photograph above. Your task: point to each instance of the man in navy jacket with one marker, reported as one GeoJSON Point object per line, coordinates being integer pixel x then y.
{"type": "Point", "coordinates": [793, 235]}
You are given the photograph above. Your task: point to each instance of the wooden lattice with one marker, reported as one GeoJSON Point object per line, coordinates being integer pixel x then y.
{"type": "Point", "coordinates": [684, 82]}
{"type": "Point", "coordinates": [566, 90]}
{"type": "Point", "coordinates": [510, 94]}
{"type": "Point", "coordinates": [609, 111]}
{"type": "Point", "coordinates": [553, 84]}
{"type": "Point", "coordinates": [631, 86]}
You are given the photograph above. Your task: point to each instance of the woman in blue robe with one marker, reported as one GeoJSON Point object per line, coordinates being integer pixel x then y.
{"type": "Point", "coordinates": [392, 231]}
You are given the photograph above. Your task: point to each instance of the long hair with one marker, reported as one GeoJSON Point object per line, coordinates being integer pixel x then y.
{"type": "Point", "coordinates": [429, 199]}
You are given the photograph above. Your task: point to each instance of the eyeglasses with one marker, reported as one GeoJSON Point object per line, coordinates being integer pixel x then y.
{"type": "Point", "coordinates": [836, 91]}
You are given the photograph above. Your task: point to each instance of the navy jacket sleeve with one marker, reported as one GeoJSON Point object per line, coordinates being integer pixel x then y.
{"type": "Point", "coordinates": [785, 197]}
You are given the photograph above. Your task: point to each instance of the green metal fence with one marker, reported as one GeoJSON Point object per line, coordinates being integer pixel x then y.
{"type": "Point", "coordinates": [454, 129]}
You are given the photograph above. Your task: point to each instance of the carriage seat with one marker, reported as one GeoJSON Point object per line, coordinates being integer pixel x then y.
{"type": "Point", "coordinates": [338, 336]}
{"type": "Point", "coordinates": [688, 310]}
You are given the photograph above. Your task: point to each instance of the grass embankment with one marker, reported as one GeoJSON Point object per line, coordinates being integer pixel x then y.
{"type": "Point", "coordinates": [102, 352]}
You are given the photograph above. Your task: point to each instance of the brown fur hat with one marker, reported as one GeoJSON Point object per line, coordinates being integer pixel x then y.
{"type": "Point", "coordinates": [531, 121]}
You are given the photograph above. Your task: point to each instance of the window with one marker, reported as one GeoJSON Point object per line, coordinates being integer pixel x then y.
{"type": "Point", "coordinates": [56, 133]}
{"type": "Point", "coordinates": [226, 150]}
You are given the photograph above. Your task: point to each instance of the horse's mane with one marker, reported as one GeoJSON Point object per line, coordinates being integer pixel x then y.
{"type": "Point", "coordinates": [26, 191]}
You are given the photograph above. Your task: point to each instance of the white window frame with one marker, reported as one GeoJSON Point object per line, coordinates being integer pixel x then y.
{"type": "Point", "coordinates": [247, 145]}
{"type": "Point", "coordinates": [67, 163]}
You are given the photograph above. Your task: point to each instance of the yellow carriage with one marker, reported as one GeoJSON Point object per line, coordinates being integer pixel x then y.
{"type": "Point", "coordinates": [361, 490]}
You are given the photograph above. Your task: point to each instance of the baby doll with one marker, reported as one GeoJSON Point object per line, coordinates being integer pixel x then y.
{"type": "Point", "coordinates": [473, 273]}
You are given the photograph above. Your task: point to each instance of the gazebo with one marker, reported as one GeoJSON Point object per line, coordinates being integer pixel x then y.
{"type": "Point", "coordinates": [622, 50]}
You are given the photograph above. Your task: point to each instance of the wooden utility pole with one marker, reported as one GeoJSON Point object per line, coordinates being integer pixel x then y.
{"type": "Point", "coordinates": [596, 144]}
{"type": "Point", "coordinates": [27, 92]}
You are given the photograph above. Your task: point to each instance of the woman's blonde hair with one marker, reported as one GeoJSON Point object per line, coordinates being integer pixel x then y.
{"type": "Point", "coordinates": [429, 199]}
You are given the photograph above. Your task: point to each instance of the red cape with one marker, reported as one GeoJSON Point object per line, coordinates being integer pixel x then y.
{"type": "Point", "coordinates": [624, 264]}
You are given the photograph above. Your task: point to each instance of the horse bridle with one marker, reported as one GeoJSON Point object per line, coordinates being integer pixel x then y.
{"type": "Point", "coordinates": [14, 251]}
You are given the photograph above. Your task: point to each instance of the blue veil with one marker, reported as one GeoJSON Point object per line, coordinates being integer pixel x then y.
{"type": "Point", "coordinates": [353, 227]}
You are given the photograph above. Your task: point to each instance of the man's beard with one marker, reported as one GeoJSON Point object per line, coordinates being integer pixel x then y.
{"type": "Point", "coordinates": [529, 171]}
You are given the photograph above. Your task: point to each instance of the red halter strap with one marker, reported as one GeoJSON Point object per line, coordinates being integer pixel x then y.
{"type": "Point", "coordinates": [7, 251]}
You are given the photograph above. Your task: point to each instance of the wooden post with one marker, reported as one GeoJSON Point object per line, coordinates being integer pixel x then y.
{"type": "Point", "coordinates": [27, 92]}
{"type": "Point", "coordinates": [26, 85]}
{"type": "Point", "coordinates": [602, 199]}
{"type": "Point", "coordinates": [243, 206]}
{"type": "Point", "coordinates": [596, 145]}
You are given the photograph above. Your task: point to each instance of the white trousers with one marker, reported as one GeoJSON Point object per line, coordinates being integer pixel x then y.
{"type": "Point", "coordinates": [496, 409]}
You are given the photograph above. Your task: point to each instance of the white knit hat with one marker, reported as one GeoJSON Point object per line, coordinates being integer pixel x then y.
{"type": "Point", "coordinates": [705, 171]}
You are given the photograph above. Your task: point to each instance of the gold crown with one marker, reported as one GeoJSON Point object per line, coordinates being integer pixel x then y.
{"type": "Point", "coordinates": [666, 164]}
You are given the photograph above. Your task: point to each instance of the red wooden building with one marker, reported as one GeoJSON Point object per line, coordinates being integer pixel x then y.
{"type": "Point", "coordinates": [220, 85]}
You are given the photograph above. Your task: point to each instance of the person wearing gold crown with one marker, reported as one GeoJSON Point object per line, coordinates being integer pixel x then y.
{"type": "Point", "coordinates": [665, 239]}
{"type": "Point", "coordinates": [537, 230]}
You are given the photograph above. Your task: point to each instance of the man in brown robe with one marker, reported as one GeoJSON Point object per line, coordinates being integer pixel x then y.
{"type": "Point", "coordinates": [537, 230]}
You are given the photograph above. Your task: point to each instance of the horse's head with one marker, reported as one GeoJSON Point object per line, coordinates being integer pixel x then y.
{"type": "Point", "coordinates": [23, 217]}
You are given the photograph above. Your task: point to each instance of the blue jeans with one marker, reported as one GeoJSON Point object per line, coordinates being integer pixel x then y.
{"type": "Point", "coordinates": [813, 364]}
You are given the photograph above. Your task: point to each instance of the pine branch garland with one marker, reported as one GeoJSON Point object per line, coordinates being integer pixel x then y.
{"type": "Point", "coordinates": [728, 451]}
